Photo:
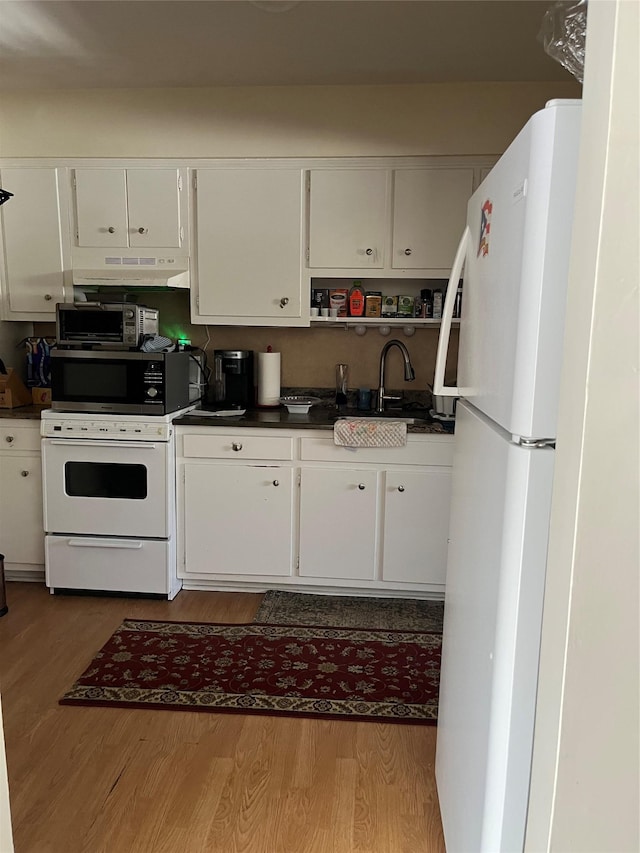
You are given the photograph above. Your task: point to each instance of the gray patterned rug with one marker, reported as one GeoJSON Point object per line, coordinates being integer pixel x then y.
{"type": "Point", "coordinates": [399, 614]}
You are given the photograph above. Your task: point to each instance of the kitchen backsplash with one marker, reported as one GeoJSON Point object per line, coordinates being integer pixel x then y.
{"type": "Point", "coordinates": [309, 355]}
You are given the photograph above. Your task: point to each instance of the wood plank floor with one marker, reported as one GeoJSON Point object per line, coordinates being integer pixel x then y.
{"type": "Point", "coordinates": [109, 780]}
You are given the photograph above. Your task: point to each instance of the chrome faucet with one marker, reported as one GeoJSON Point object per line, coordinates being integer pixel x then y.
{"type": "Point", "coordinates": [409, 373]}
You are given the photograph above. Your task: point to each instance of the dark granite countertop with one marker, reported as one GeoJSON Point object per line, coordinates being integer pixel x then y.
{"type": "Point", "coordinates": [319, 417]}
{"type": "Point", "coordinates": [31, 413]}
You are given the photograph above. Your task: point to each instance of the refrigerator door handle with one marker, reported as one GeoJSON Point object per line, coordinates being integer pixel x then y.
{"type": "Point", "coordinates": [447, 315]}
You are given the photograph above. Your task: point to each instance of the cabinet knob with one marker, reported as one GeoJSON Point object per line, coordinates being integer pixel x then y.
{"type": "Point", "coordinates": [401, 488]}
{"type": "Point", "coordinates": [407, 251]}
{"type": "Point", "coordinates": [24, 473]}
{"type": "Point", "coordinates": [111, 229]}
{"type": "Point", "coordinates": [276, 482]}
{"type": "Point", "coordinates": [368, 252]}
{"type": "Point", "coordinates": [361, 486]}
{"type": "Point", "coordinates": [8, 439]}
{"type": "Point", "coordinates": [284, 301]}
{"type": "Point", "coordinates": [236, 446]}
{"type": "Point", "coordinates": [48, 297]}
{"type": "Point", "coordinates": [143, 230]}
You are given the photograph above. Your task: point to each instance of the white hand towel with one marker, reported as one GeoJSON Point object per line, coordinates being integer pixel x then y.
{"type": "Point", "coordinates": [361, 432]}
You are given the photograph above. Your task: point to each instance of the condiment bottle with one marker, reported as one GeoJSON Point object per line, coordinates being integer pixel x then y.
{"type": "Point", "coordinates": [356, 300]}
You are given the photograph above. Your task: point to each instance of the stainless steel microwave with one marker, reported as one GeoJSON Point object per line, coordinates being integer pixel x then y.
{"type": "Point", "coordinates": [127, 383]}
{"type": "Point", "coordinates": [115, 325]}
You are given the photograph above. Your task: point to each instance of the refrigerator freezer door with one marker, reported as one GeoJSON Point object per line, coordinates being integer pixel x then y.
{"type": "Point", "coordinates": [501, 497]}
{"type": "Point", "coordinates": [515, 281]}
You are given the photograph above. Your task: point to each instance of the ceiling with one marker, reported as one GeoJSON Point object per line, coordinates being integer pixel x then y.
{"type": "Point", "coordinates": [70, 44]}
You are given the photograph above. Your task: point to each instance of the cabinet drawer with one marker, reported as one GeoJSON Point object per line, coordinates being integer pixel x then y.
{"type": "Point", "coordinates": [430, 452]}
{"type": "Point", "coordinates": [237, 445]}
{"type": "Point", "coordinates": [14, 437]}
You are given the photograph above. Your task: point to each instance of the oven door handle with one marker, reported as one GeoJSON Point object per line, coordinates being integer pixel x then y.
{"type": "Point", "coordinates": [138, 445]}
{"type": "Point", "coordinates": [106, 543]}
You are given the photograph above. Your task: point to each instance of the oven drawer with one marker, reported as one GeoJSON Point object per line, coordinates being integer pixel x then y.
{"type": "Point", "coordinates": [112, 565]}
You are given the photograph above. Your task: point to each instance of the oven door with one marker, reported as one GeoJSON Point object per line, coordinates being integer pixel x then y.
{"type": "Point", "coordinates": [107, 488]}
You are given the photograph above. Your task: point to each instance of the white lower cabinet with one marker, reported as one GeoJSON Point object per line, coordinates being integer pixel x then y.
{"type": "Point", "coordinates": [338, 523]}
{"type": "Point", "coordinates": [275, 507]}
{"type": "Point", "coordinates": [416, 524]}
{"type": "Point", "coordinates": [238, 519]}
{"type": "Point", "coordinates": [21, 527]}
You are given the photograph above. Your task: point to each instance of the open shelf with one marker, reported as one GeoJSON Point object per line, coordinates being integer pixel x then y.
{"type": "Point", "coordinates": [348, 322]}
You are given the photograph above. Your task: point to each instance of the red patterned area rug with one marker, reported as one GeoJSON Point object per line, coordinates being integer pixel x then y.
{"type": "Point", "coordinates": [294, 670]}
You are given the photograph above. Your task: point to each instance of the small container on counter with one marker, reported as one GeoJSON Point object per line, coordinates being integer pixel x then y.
{"type": "Point", "coordinates": [406, 306]}
{"type": "Point", "coordinates": [356, 300]}
{"type": "Point", "coordinates": [373, 303]}
{"type": "Point", "coordinates": [427, 303]}
{"type": "Point", "coordinates": [389, 306]}
{"type": "Point", "coordinates": [437, 304]}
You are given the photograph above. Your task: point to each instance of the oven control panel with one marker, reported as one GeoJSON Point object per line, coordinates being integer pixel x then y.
{"type": "Point", "coordinates": [113, 429]}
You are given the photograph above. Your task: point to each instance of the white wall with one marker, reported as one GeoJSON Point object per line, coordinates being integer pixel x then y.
{"type": "Point", "coordinates": [309, 121]}
{"type": "Point", "coordinates": [585, 790]}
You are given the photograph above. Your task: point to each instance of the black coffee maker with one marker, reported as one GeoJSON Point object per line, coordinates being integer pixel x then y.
{"type": "Point", "coordinates": [233, 379]}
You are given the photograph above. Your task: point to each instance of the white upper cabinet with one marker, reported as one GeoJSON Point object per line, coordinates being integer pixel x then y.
{"type": "Point", "coordinates": [129, 208]}
{"type": "Point", "coordinates": [429, 215]}
{"type": "Point", "coordinates": [248, 247]}
{"type": "Point", "coordinates": [347, 218]}
{"type": "Point", "coordinates": [35, 241]}
{"type": "Point", "coordinates": [401, 222]}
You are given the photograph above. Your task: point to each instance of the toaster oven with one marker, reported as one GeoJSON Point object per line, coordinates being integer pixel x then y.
{"type": "Point", "coordinates": [112, 325]}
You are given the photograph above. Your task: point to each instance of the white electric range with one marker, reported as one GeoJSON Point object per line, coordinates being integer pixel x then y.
{"type": "Point", "coordinates": [110, 502]}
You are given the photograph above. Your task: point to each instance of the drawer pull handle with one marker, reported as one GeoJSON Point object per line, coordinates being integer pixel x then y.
{"type": "Point", "coordinates": [407, 251]}
{"type": "Point", "coordinates": [143, 230]}
{"type": "Point", "coordinates": [401, 488]}
{"type": "Point", "coordinates": [361, 486]}
{"type": "Point", "coordinates": [369, 252]}
{"type": "Point", "coordinates": [48, 297]}
{"type": "Point", "coordinates": [24, 473]}
{"type": "Point", "coordinates": [276, 482]}
{"type": "Point", "coordinates": [284, 301]}
{"type": "Point", "coordinates": [236, 446]}
{"type": "Point", "coordinates": [128, 544]}
{"type": "Point", "coordinates": [9, 439]}
{"type": "Point", "coordinates": [111, 229]}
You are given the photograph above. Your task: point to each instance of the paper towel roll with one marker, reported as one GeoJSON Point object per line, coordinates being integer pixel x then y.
{"type": "Point", "coordinates": [268, 378]}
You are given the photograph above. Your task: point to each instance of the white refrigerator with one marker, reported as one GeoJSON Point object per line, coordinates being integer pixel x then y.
{"type": "Point", "coordinates": [515, 256]}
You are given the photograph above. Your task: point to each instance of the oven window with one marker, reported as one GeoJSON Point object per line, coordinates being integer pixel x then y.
{"type": "Point", "coordinates": [105, 480]}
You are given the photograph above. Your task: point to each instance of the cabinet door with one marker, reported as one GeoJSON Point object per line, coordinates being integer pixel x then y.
{"type": "Point", "coordinates": [101, 208]}
{"type": "Point", "coordinates": [21, 527]}
{"type": "Point", "coordinates": [416, 525]}
{"type": "Point", "coordinates": [36, 243]}
{"type": "Point", "coordinates": [238, 519]}
{"type": "Point", "coordinates": [338, 523]}
{"type": "Point", "coordinates": [153, 197]}
{"type": "Point", "coordinates": [249, 244]}
{"type": "Point", "coordinates": [429, 215]}
{"type": "Point", "coordinates": [347, 218]}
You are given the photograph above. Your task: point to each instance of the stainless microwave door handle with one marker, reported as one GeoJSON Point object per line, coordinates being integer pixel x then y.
{"type": "Point", "coordinates": [105, 543]}
{"type": "Point", "coordinates": [138, 445]}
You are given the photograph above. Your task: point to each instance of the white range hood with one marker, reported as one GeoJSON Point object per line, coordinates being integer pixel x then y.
{"type": "Point", "coordinates": [119, 276]}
